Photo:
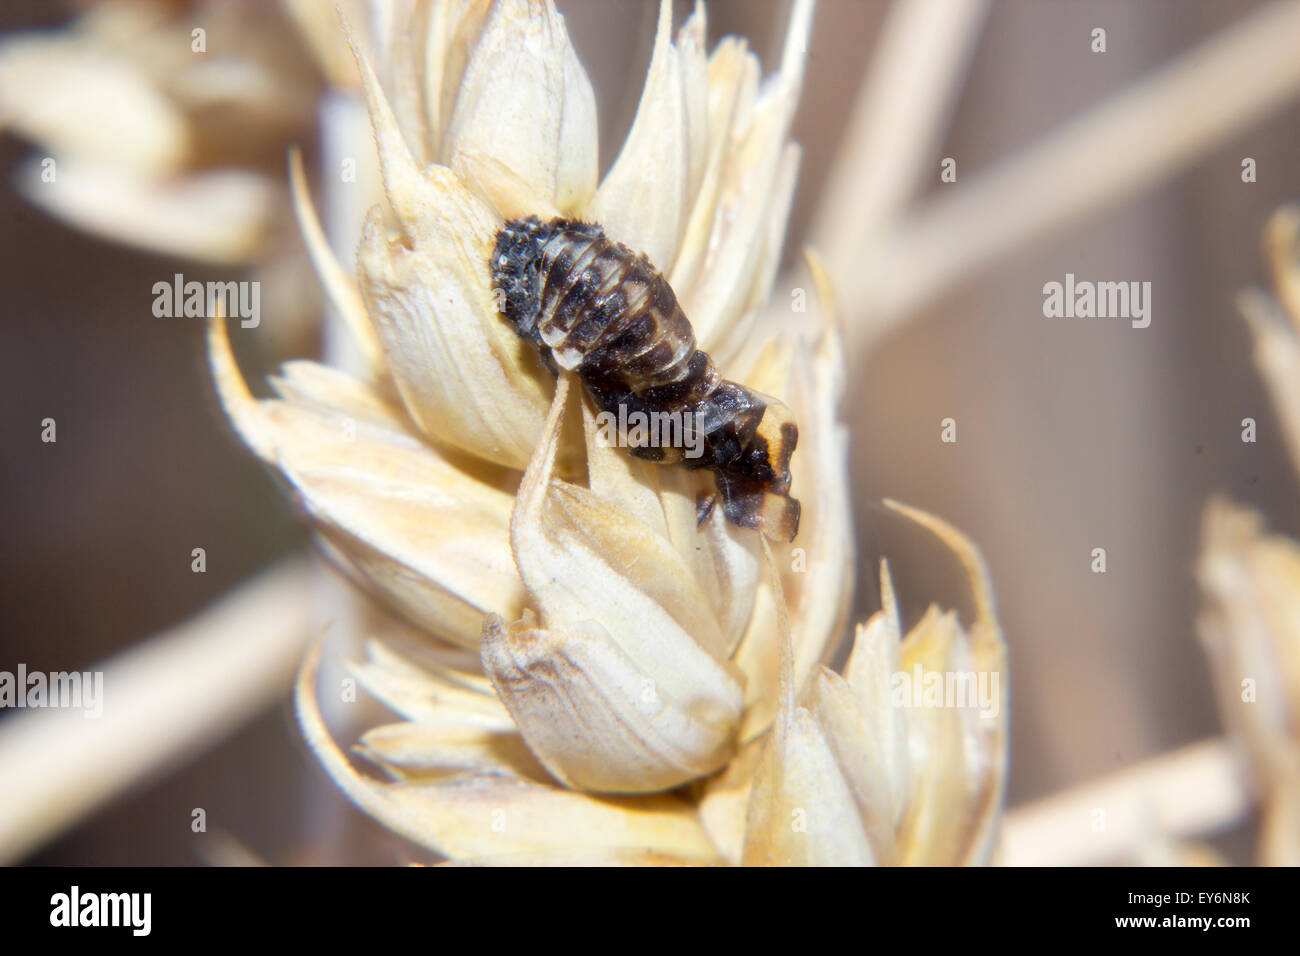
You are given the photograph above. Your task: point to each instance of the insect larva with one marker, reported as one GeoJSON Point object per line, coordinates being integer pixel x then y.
{"type": "Point", "coordinates": [596, 308]}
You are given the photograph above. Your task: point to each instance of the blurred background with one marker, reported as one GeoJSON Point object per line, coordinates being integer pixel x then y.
{"type": "Point", "coordinates": [1073, 435]}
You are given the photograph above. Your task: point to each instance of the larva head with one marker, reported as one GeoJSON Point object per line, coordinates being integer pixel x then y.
{"type": "Point", "coordinates": [754, 482]}
{"type": "Point", "coordinates": [753, 504]}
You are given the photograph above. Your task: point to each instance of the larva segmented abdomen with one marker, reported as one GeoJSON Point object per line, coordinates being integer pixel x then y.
{"type": "Point", "coordinates": [598, 309]}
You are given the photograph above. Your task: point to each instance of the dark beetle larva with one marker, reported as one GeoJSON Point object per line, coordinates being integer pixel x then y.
{"type": "Point", "coordinates": [596, 308]}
